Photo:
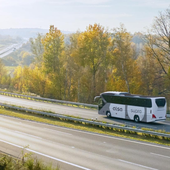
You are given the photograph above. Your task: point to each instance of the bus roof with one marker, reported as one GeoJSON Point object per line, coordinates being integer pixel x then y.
{"type": "Point", "coordinates": [116, 93]}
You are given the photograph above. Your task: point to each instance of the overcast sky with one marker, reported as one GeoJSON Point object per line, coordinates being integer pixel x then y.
{"type": "Point", "coordinates": [71, 15]}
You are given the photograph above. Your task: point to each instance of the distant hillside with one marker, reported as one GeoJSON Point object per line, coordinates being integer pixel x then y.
{"type": "Point", "coordinates": [138, 38]}
{"type": "Point", "coordinates": [25, 32]}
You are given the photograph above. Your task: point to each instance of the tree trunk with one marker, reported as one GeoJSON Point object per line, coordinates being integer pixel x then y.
{"type": "Point", "coordinates": [125, 77]}
{"type": "Point", "coordinates": [94, 83]}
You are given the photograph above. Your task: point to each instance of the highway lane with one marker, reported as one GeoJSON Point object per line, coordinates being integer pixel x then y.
{"type": "Point", "coordinates": [84, 113]}
{"type": "Point", "coordinates": [67, 110]}
{"type": "Point", "coordinates": [7, 48]}
{"type": "Point", "coordinates": [10, 49]}
{"type": "Point", "coordinates": [73, 149]}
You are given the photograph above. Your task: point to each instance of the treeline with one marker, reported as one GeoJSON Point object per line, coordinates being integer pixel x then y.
{"type": "Point", "coordinates": [97, 60]}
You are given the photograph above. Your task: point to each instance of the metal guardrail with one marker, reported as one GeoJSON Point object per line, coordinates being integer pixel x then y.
{"type": "Point", "coordinates": [47, 99]}
{"type": "Point", "coordinates": [52, 100]}
{"type": "Point", "coordinates": [86, 121]}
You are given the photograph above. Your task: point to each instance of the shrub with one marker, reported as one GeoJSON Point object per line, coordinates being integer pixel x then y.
{"type": "Point", "coordinates": [25, 163]}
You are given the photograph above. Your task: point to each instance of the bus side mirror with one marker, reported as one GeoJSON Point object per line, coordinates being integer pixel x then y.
{"type": "Point", "coordinates": [96, 98]}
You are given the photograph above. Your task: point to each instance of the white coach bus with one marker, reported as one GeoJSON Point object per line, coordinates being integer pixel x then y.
{"type": "Point", "coordinates": [133, 107]}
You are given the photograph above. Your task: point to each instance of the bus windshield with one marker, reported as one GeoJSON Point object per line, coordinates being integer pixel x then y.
{"type": "Point", "coordinates": [160, 102]}
{"type": "Point", "coordinates": [100, 103]}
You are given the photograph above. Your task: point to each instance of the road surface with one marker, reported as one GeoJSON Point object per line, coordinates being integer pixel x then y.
{"type": "Point", "coordinates": [84, 113]}
{"type": "Point", "coordinates": [10, 49]}
{"type": "Point", "coordinates": [73, 149]}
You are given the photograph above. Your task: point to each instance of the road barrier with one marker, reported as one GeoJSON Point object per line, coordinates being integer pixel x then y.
{"type": "Point", "coordinates": [51, 100]}
{"type": "Point", "coordinates": [96, 123]}
{"type": "Point", "coordinates": [48, 100]}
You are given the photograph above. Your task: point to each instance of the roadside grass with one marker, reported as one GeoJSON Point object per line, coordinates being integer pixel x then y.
{"type": "Point", "coordinates": [86, 127]}
{"type": "Point", "coordinates": [26, 162]}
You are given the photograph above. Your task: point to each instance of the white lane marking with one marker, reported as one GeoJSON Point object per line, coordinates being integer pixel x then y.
{"type": "Point", "coordinates": [11, 144]}
{"type": "Point", "coordinates": [27, 134]}
{"type": "Point", "coordinates": [51, 157]}
{"type": "Point", "coordinates": [137, 164]}
{"type": "Point", "coordinates": [57, 131]}
{"type": "Point", "coordinates": [110, 137]}
{"type": "Point", "coordinates": [160, 155]}
{"type": "Point", "coordinates": [58, 159]}
{"type": "Point", "coordinates": [5, 129]}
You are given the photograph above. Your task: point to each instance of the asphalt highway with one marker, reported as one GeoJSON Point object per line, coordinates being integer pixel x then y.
{"type": "Point", "coordinates": [76, 150]}
{"type": "Point", "coordinates": [10, 49]}
{"type": "Point", "coordinates": [80, 112]}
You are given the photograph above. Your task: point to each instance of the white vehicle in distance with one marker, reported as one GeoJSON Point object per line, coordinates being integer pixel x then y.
{"type": "Point", "coordinates": [133, 107]}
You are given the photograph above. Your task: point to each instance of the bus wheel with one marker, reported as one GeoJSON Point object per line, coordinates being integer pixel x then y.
{"type": "Point", "coordinates": [108, 114]}
{"type": "Point", "coordinates": [136, 118]}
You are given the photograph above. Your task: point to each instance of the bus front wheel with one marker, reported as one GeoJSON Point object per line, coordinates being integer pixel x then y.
{"type": "Point", "coordinates": [108, 114]}
{"type": "Point", "coordinates": [136, 118]}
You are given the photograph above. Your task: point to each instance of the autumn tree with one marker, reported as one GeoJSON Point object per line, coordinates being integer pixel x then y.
{"type": "Point", "coordinates": [53, 59]}
{"type": "Point", "coordinates": [151, 74]}
{"type": "Point", "coordinates": [73, 70]}
{"type": "Point", "coordinates": [158, 40]}
{"type": "Point", "coordinates": [26, 58]}
{"type": "Point", "coordinates": [37, 49]}
{"type": "Point", "coordinates": [2, 69]}
{"type": "Point", "coordinates": [125, 67]}
{"type": "Point", "coordinates": [92, 51]}
{"type": "Point", "coordinates": [37, 80]}
{"type": "Point", "coordinates": [4, 78]}
{"type": "Point", "coordinates": [18, 79]}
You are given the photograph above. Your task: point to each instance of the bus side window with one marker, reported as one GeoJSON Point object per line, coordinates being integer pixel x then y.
{"type": "Point", "coordinates": [117, 100]}
{"type": "Point", "coordinates": [149, 103]}
{"type": "Point", "coordinates": [101, 103]}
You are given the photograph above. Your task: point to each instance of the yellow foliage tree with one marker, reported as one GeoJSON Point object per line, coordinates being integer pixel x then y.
{"type": "Point", "coordinates": [53, 60]}
{"type": "Point", "coordinates": [92, 52]}
{"type": "Point", "coordinates": [126, 75]}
